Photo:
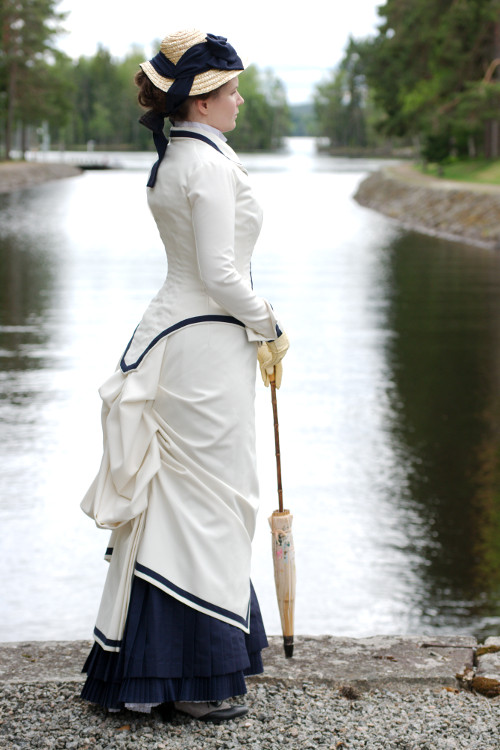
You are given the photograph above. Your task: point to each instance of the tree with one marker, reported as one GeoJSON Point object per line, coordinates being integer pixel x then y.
{"type": "Point", "coordinates": [344, 105]}
{"type": "Point", "coordinates": [264, 119]}
{"type": "Point", "coordinates": [29, 66]}
{"type": "Point", "coordinates": [98, 95]}
{"type": "Point", "coordinates": [340, 102]}
{"type": "Point", "coordinates": [426, 63]}
{"type": "Point", "coordinates": [130, 111]}
{"type": "Point", "coordinates": [303, 119]}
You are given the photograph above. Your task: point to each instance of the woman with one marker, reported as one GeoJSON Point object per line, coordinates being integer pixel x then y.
{"type": "Point", "coordinates": [179, 621]}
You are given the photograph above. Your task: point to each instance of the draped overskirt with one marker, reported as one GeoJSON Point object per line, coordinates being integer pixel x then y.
{"type": "Point", "coordinates": [178, 618]}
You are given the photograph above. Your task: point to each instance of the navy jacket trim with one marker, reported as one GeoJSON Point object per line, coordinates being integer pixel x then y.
{"type": "Point", "coordinates": [197, 136]}
{"type": "Point", "coordinates": [161, 144]}
{"type": "Point", "coordinates": [153, 576]}
{"type": "Point", "coordinates": [106, 641]}
{"type": "Point", "coordinates": [181, 324]}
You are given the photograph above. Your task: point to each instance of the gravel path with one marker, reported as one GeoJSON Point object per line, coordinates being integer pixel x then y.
{"type": "Point", "coordinates": [309, 715]}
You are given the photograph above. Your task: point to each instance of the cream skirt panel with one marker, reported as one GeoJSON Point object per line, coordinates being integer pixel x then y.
{"type": "Point", "coordinates": [191, 442]}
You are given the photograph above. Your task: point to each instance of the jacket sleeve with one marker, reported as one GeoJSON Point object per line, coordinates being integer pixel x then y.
{"type": "Point", "coordinates": [213, 200]}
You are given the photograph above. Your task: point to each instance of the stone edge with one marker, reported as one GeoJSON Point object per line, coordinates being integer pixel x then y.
{"type": "Point", "coordinates": [381, 662]}
{"type": "Point", "coordinates": [377, 191]}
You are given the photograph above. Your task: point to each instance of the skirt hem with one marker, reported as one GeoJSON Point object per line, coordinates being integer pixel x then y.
{"type": "Point", "coordinates": [171, 652]}
{"type": "Point", "coordinates": [154, 691]}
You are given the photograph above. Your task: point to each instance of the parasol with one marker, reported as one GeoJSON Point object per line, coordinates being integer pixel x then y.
{"type": "Point", "coordinates": [282, 546]}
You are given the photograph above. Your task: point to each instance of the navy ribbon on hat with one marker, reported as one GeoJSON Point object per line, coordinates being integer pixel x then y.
{"type": "Point", "coordinates": [215, 53]}
{"type": "Point", "coordinates": [155, 121]}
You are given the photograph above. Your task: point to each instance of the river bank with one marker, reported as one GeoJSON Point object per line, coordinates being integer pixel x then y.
{"type": "Point", "coordinates": [16, 175]}
{"type": "Point", "coordinates": [464, 212]}
{"type": "Point", "coordinates": [379, 693]}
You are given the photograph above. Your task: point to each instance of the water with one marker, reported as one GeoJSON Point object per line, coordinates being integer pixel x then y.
{"type": "Point", "coordinates": [389, 410]}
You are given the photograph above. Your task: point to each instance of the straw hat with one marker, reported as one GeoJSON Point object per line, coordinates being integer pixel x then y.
{"type": "Point", "coordinates": [173, 48]}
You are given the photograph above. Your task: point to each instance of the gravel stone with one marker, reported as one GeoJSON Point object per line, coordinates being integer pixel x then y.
{"type": "Point", "coordinates": [37, 715]}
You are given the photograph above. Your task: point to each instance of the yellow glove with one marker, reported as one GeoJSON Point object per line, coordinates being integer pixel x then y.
{"type": "Point", "coordinates": [270, 354]}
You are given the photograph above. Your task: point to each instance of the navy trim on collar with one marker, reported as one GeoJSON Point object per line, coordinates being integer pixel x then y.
{"type": "Point", "coordinates": [198, 136]}
{"type": "Point", "coordinates": [161, 143]}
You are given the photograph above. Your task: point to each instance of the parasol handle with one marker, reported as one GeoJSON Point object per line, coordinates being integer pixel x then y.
{"type": "Point", "coordinates": [272, 380]}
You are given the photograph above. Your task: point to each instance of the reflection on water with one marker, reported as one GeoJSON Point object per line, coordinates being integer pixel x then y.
{"type": "Point", "coordinates": [389, 413]}
{"type": "Point", "coordinates": [445, 364]}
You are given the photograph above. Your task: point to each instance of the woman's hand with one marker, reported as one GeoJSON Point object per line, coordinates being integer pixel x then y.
{"type": "Point", "coordinates": [270, 354]}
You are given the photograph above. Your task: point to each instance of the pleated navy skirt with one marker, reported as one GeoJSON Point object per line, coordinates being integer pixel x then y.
{"type": "Point", "coordinates": [171, 652]}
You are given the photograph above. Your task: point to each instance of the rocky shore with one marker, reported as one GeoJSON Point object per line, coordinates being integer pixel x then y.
{"type": "Point", "coordinates": [466, 212]}
{"type": "Point", "coordinates": [380, 693]}
{"type": "Point", "coordinates": [16, 175]}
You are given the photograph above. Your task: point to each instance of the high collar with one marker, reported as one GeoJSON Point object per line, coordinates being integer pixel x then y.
{"type": "Point", "coordinates": [206, 128]}
{"type": "Point", "coordinates": [226, 149]}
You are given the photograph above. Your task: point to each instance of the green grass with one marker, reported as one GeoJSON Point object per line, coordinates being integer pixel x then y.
{"type": "Point", "coordinates": [472, 170]}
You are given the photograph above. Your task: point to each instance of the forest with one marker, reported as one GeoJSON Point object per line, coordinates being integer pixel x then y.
{"type": "Point", "coordinates": [429, 77]}
{"type": "Point", "coordinates": [428, 80]}
{"type": "Point", "coordinates": [44, 94]}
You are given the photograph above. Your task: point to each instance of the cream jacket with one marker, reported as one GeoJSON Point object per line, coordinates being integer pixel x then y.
{"type": "Point", "coordinates": [209, 222]}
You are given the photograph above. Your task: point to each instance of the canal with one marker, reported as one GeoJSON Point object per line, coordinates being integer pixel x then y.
{"type": "Point", "coordinates": [389, 409]}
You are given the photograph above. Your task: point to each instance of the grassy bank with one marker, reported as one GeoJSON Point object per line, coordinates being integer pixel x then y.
{"type": "Point", "coordinates": [483, 171]}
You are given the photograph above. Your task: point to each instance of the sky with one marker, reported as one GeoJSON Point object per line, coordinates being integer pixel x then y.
{"type": "Point", "coordinates": [300, 42]}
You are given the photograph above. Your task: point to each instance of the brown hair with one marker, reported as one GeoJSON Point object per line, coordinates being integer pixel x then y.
{"type": "Point", "coordinates": [151, 97]}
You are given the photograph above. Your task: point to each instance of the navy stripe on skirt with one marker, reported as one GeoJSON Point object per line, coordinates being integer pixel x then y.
{"type": "Point", "coordinates": [172, 652]}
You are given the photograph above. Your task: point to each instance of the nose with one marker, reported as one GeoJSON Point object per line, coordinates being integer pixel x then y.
{"type": "Point", "coordinates": [240, 99]}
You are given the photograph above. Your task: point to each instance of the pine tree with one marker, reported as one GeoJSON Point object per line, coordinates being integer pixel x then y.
{"type": "Point", "coordinates": [29, 77]}
{"type": "Point", "coordinates": [427, 68]}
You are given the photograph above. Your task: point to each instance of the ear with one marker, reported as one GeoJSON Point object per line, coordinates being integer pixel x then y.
{"type": "Point", "coordinates": [201, 106]}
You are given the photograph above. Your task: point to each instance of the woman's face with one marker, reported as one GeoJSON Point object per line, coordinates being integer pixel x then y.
{"type": "Point", "coordinates": [222, 109]}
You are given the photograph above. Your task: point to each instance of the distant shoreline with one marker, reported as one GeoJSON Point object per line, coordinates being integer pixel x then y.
{"type": "Point", "coordinates": [458, 211]}
{"type": "Point", "coordinates": [17, 175]}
